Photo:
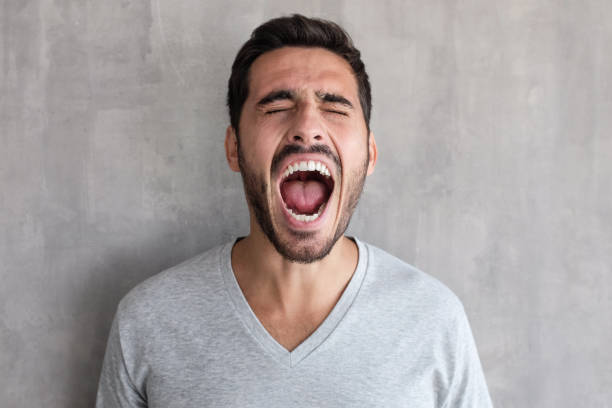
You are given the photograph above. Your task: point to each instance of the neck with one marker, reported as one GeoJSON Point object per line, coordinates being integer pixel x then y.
{"type": "Point", "coordinates": [268, 279]}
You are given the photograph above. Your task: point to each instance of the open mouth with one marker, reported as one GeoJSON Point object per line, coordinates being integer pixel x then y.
{"type": "Point", "coordinates": [305, 188]}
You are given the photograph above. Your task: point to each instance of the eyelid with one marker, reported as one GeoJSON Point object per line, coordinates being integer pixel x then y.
{"type": "Point", "coordinates": [339, 112]}
{"type": "Point", "coordinates": [276, 110]}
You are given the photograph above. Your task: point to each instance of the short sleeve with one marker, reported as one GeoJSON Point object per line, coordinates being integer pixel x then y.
{"type": "Point", "coordinates": [467, 388]}
{"type": "Point", "coordinates": [116, 389]}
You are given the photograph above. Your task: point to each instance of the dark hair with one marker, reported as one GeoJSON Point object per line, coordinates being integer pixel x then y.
{"type": "Point", "coordinates": [299, 31]}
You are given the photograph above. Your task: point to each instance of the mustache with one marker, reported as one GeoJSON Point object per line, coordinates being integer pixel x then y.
{"type": "Point", "coordinates": [299, 149]}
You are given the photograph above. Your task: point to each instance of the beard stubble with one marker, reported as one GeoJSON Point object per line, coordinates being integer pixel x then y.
{"type": "Point", "coordinates": [256, 190]}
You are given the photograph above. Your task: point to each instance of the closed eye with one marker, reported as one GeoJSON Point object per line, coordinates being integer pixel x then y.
{"type": "Point", "coordinates": [275, 111]}
{"type": "Point", "coordinates": [337, 112]}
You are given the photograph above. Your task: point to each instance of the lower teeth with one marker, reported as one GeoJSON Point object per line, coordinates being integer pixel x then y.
{"type": "Point", "coordinates": [307, 218]}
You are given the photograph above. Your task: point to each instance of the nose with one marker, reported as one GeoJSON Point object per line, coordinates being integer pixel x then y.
{"type": "Point", "coordinates": [307, 127]}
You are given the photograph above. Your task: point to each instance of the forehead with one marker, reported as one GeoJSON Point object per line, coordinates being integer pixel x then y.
{"type": "Point", "coordinates": [301, 68]}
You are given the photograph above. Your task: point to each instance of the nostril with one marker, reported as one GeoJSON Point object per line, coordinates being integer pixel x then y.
{"type": "Point", "coordinates": [297, 138]}
{"type": "Point", "coordinates": [318, 137]}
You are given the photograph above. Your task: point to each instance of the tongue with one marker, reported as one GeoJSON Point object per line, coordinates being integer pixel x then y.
{"type": "Point", "coordinates": [303, 197]}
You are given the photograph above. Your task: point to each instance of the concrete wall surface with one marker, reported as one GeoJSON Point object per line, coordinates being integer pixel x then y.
{"type": "Point", "coordinates": [494, 126]}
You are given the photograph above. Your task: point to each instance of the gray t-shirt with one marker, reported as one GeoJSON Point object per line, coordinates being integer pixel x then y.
{"type": "Point", "coordinates": [187, 337]}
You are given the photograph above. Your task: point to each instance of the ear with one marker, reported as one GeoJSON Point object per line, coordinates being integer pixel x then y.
{"type": "Point", "coordinates": [231, 148]}
{"type": "Point", "coordinates": [373, 153]}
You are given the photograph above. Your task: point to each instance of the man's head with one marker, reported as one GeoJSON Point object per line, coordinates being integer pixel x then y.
{"type": "Point", "coordinates": [299, 133]}
{"type": "Point", "coordinates": [294, 31]}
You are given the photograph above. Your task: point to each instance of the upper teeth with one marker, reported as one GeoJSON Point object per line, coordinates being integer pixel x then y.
{"type": "Point", "coordinates": [309, 165]}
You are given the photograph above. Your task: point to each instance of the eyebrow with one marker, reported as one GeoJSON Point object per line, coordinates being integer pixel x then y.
{"type": "Point", "coordinates": [286, 94]}
{"type": "Point", "coordinates": [282, 94]}
{"type": "Point", "coordinates": [333, 98]}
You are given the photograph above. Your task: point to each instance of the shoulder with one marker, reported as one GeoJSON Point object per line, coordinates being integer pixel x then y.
{"type": "Point", "coordinates": [395, 282]}
{"type": "Point", "coordinates": [192, 283]}
{"type": "Point", "coordinates": [424, 323]}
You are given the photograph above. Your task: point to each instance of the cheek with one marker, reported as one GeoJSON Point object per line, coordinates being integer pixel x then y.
{"type": "Point", "coordinates": [352, 146]}
{"type": "Point", "coordinates": [259, 150]}
{"type": "Point", "coordinates": [259, 140]}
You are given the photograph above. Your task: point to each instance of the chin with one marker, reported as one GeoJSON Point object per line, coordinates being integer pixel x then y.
{"type": "Point", "coordinates": [304, 247]}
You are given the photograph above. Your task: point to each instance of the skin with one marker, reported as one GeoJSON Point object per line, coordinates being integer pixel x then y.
{"type": "Point", "coordinates": [292, 298]}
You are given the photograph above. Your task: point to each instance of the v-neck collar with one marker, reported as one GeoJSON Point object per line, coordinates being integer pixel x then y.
{"type": "Point", "coordinates": [263, 337]}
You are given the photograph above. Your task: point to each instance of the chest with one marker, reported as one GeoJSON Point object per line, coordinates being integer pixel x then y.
{"type": "Point", "coordinates": [290, 332]}
{"type": "Point", "coordinates": [357, 364]}
{"type": "Point", "coordinates": [332, 378]}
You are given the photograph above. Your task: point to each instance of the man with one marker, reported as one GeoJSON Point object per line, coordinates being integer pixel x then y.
{"type": "Point", "coordinates": [296, 313]}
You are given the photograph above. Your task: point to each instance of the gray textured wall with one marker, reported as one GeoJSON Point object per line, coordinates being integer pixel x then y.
{"type": "Point", "coordinates": [493, 120]}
